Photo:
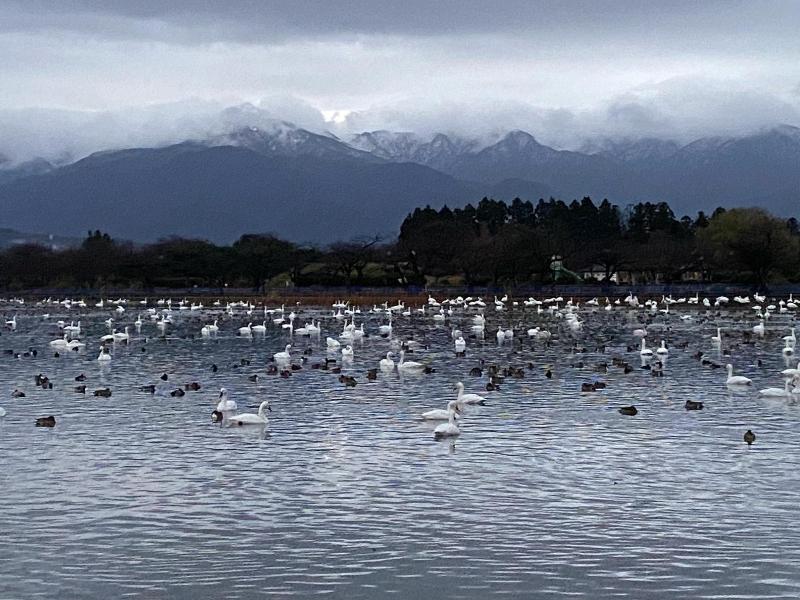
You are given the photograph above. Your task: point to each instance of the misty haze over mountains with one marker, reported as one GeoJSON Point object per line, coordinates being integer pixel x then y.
{"type": "Point", "coordinates": [317, 187]}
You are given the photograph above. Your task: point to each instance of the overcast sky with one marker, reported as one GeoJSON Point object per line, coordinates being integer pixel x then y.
{"type": "Point", "coordinates": [79, 75]}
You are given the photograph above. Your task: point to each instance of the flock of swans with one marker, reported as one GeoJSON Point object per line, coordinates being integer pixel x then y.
{"type": "Point", "coordinates": [620, 328]}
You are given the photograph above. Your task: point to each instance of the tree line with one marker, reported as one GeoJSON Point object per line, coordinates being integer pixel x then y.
{"type": "Point", "coordinates": [492, 243]}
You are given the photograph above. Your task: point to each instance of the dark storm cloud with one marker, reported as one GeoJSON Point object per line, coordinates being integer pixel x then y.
{"type": "Point", "coordinates": [115, 72]}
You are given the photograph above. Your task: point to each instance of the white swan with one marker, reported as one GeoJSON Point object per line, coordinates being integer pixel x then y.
{"type": "Point", "coordinates": [347, 353]}
{"type": "Point", "coordinates": [717, 339]}
{"type": "Point", "coordinates": [2, 412]}
{"type": "Point", "coordinates": [250, 418]}
{"type": "Point", "coordinates": [736, 379]}
{"type": "Point", "coordinates": [460, 344]}
{"type": "Point", "coordinates": [788, 349]}
{"type": "Point", "coordinates": [777, 392]}
{"type": "Point", "coordinates": [387, 364]}
{"type": "Point", "coordinates": [60, 342]}
{"type": "Point", "coordinates": [260, 328]}
{"type": "Point", "coordinates": [645, 351]}
{"type": "Point", "coordinates": [442, 414]}
{"type": "Point", "coordinates": [410, 366]}
{"type": "Point", "coordinates": [790, 338]}
{"type": "Point", "coordinates": [791, 372]}
{"type": "Point", "coordinates": [663, 348]}
{"type": "Point", "coordinates": [386, 329]}
{"type": "Point", "coordinates": [449, 429]}
{"type": "Point", "coordinates": [245, 331]}
{"type": "Point", "coordinates": [759, 329]}
{"type": "Point", "coordinates": [104, 355]}
{"type": "Point", "coordinates": [225, 404]}
{"type": "Point", "coordinates": [463, 398]}
{"type": "Point", "coordinates": [283, 356]}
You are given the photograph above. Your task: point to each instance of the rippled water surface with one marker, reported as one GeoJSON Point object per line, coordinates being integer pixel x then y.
{"type": "Point", "coordinates": [548, 492]}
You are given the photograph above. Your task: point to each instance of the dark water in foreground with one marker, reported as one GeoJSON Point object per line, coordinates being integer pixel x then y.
{"type": "Point", "coordinates": [547, 493]}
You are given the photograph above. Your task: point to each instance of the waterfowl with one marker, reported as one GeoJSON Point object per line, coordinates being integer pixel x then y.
{"type": "Point", "coordinates": [735, 379]}
{"type": "Point", "coordinates": [442, 414]}
{"type": "Point", "coordinates": [283, 356]}
{"type": "Point", "coordinates": [251, 419]}
{"type": "Point", "coordinates": [246, 331]}
{"type": "Point", "coordinates": [645, 351]}
{"type": "Point", "coordinates": [104, 355]}
{"type": "Point", "coordinates": [347, 353]}
{"type": "Point", "coordinates": [693, 405]}
{"type": "Point", "coordinates": [775, 392]}
{"type": "Point", "coordinates": [460, 344]}
{"type": "Point", "coordinates": [46, 421]}
{"type": "Point", "coordinates": [103, 393]}
{"type": "Point", "coordinates": [259, 328]}
{"type": "Point", "coordinates": [449, 429]}
{"type": "Point", "coordinates": [628, 410]}
{"type": "Point", "coordinates": [717, 339]}
{"type": "Point", "coordinates": [225, 405]}
{"type": "Point", "coordinates": [409, 366]}
{"type": "Point", "coordinates": [463, 398]}
{"type": "Point", "coordinates": [749, 437]}
{"type": "Point", "coordinates": [663, 348]}
{"type": "Point", "coordinates": [387, 364]}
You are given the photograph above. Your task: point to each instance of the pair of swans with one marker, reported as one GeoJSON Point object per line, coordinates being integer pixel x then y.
{"type": "Point", "coordinates": [451, 413]}
{"type": "Point", "coordinates": [226, 412]}
{"type": "Point", "coordinates": [410, 366]}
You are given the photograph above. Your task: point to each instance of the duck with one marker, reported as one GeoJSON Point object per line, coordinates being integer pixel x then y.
{"type": "Point", "coordinates": [102, 393]}
{"type": "Point", "coordinates": [463, 398]}
{"type": "Point", "coordinates": [735, 379]}
{"type": "Point", "coordinates": [693, 405]}
{"type": "Point", "coordinates": [46, 421]}
{"type": "Point", "coordinates": [251, 419]}
{"type": "Point", "coordinates": [628, 410]}
{"type": "Point", "coordinates": [283, 356]}
{"type": "Point", "coordinates": [749, 437]}
{"type": "Point", "coordinates": [449, 429]}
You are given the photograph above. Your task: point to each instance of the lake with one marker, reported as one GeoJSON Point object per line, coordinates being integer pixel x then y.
{"type": "Point", "coordinates": [548, 492]}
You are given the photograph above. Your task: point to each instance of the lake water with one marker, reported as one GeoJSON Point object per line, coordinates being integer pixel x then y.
{"type": "Point", "coordinates": [548, 492]}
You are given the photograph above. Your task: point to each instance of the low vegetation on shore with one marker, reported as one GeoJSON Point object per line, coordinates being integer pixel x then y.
{"type": "Point", "coordinates": [492, 243]}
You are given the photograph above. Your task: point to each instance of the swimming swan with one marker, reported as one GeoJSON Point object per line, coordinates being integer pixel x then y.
{"type": "Point", "coordinates": [250, 418]}
{"type": "Point", "coordinates": [736, 379]}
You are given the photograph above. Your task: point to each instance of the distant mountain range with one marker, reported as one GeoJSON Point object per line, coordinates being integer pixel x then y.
{"type": "Point", "coordinates": [319, 188]}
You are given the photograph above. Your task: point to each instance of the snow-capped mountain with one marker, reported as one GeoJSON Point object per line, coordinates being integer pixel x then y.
{"type": "Point", "coordinates": [280, 138]}
{"type": "Point", "coordinates": [316, 187]}
{"type": "Point", "coordinates": [440, 152]}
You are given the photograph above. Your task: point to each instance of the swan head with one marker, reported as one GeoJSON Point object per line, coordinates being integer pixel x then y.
{"type": "Point", "coordinates": [729, 367]}
{"type": "Point", "coordinates": [264, 406]}
{"type": "Point", "coordinates": [223, 393]}
{"type": "Point", "coordinates": [458, 387]}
